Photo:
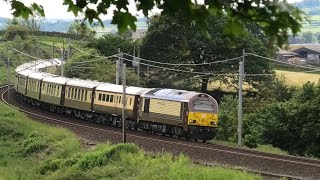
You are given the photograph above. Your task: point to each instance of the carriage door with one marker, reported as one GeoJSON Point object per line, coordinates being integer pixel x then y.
{"type": "Point", "coordinates": [184, 114]}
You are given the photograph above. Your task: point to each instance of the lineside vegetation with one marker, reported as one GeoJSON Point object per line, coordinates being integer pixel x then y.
{"type": "Point", "coordinates": [31, 150]}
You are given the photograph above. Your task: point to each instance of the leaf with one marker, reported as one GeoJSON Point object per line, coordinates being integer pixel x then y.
{"type": "Point", "coordinates": [19, 9]}
{"type": "Point", "coordinates": [233, 28]}
{"type": "Point", "coordinates": [123, 20]}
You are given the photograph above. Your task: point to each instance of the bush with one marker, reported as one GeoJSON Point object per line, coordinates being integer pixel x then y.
{"type": "Point", "coordinates": [13, 30]}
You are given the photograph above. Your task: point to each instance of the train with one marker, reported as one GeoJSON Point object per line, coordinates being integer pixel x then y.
{"type": "Point", "coordinates": [171, 112]}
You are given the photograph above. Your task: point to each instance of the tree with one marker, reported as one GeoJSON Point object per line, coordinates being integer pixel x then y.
{"type": "Point", "coordinates": [175, 40]}
{"type": "Point", "coordinates": [109, 44]}
{"type": "Point", "coordinates": [15, 29]}
{"type": "Point", "coordinates": [308, 37]}
{"type": "Point", "coordinates": [103, 70]}
{"type": "Point", "coordinates": [81, 29]}
{"type": "Point", "coordinates": [33, 23]}
{"type": "Point", "coordinates": [292, 125]}
{"type": "Point", "coordinates": [276, 18]}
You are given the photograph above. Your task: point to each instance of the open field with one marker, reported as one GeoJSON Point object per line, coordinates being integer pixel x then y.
{"type": "Point", "coordinates": [298, 78]}
{"type": "Point", "coordinates": [292, 79]}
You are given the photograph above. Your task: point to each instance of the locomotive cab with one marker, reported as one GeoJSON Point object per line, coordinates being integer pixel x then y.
{"type": "Point", "coordinates": [202, 117]}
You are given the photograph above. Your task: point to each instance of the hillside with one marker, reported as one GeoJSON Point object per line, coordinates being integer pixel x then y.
{"type": "Point", "coordinates": [61, 25]}
{"type": "Point", "coordinates": [31, 150]}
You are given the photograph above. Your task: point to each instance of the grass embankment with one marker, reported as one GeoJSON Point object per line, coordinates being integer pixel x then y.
{"type": "Point", "coordinates": [30, 150]}
{"type": "Point", "coordinates": [261, 148]}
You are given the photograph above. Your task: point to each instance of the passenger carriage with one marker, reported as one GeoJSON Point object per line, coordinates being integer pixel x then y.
{"type": "Point", "coordinates": [79, 97]}
{"type": "Point", "coordinates": [108, 100]}
{"type": "Point", "coordinates": [34, 84]}
{"type": "Point", "coordinates": [53, 92]}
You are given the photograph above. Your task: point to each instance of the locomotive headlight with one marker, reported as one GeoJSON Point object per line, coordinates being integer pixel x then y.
{"type": "Point", "coordinates": [192, 121]}
{"type": "Point", "coordinates": [213, 123]}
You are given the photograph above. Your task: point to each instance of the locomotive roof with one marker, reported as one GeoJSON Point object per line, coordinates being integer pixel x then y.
{"type": "Point", "coordinates": [38, 75]}
{"type": "Point", "coordinates": [170, 94]}
{"type": "Point", "coordinates": [119, 89]}
{"type": "Point", "coordinates": [56, 79]}
{"type": "Point", "coordinates": [83, 83]}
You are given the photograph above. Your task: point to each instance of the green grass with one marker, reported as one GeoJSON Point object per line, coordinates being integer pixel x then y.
{"type": "Point", "coordinates": [30, 150]}
{"type": "Point", "coordinates": [261, 148]}
{"type": "Point", "coordinates": [271, 149]}
{"type": "Point", "coordinates": [24, 144]}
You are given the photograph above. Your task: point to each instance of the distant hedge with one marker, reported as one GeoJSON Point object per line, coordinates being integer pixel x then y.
{"type": "Point", "coordinates": [52, 34]}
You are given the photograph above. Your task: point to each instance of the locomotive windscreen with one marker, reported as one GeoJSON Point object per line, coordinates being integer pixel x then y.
{"type": "Point", "coordinates": [203, 105]}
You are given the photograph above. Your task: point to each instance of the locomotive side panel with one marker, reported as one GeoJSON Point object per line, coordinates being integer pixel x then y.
{"type": "Point", "coordinates": [161, 111]}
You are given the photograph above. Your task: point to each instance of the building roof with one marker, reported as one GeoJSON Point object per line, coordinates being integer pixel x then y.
{"type": "Point", "coordinates": [284, 53]}
{"type": "Point", "coordinates": [313, 47]}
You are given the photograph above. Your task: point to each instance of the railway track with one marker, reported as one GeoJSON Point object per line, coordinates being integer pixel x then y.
{"type": "Point", "coordinates": [204, 153]}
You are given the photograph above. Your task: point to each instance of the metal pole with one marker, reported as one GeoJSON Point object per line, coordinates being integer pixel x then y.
{"type": "Point", "coordinates": [117, 72]}
{"type": "Point", "coordinates": [68, 49]}
{"type": "Point", "coordinates": [53, 50]}
{"type": "Point", "coordinates": [118, 67]}
{"type": "Point", "coordinates": [134, 58]}
{"type": "Point", "coordinates": [124, 103]}
{"type": "Point", "coordinates": [138, 61]}
{"type": "Point", "coordinates": [241, 74]}
{"type": "Point", "coordinates": [62, 61]}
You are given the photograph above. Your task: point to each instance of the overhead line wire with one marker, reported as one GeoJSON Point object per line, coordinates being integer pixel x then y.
{"type": "Point", "coordinates": [156, 62]}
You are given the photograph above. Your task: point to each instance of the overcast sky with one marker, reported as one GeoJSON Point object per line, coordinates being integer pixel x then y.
{"type": "Point", "coordinates": [55, 10]}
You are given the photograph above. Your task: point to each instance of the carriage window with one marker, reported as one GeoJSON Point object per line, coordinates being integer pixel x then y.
{"type": "Point", "coordinates": [111, 98]}
{"type": "Point", "coordinates": [103, 97]}
{"type": "Point", "coordinates": [75, 93]}
{"type": "Point", "coordinates": [130, 101]}
{"type": "Point", "coordinates": [72, 92]}
{"type": "Point", "coordinates": [82, 94]}
{"type": "Point", "coordinates": [69, 93]}
{"type": "Point", "coordinates": [108, 98]}
{"type": "Point", "coordinates": [79, 91]}
{"type": "Point", "coordinates": [119, 99]}
{"type": "Point", "coordinates": [100, 96]}
{"type": "Point", "coordinates": [146, 105]}
{"type": "Point", "coordinates": [85, 96]}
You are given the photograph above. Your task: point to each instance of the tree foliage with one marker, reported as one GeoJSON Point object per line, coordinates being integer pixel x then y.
{"type": "Point", "coordinates": [103, 71]}
{"type": "Point", "coordinates": [81, 29]}
{"type": "Point", "coordinates": [33, 23]}
{"type": "Point", "coordinates": [13, 30]}
{"type": "Point", "coordinates": [276, 18]}
{"type": "Point", "coordinates": [110, 44]}
{"type": "Point", "coordinates": [175, 40]}
{"type": "Point", "coordinates": [292, 125]}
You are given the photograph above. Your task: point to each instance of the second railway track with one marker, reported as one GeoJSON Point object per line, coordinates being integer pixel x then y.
{"type": "Point", "coordinates": [277, 165]}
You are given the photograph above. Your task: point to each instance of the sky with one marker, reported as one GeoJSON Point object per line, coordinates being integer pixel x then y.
{"type": "Point", "coordinates": [55, 10]}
